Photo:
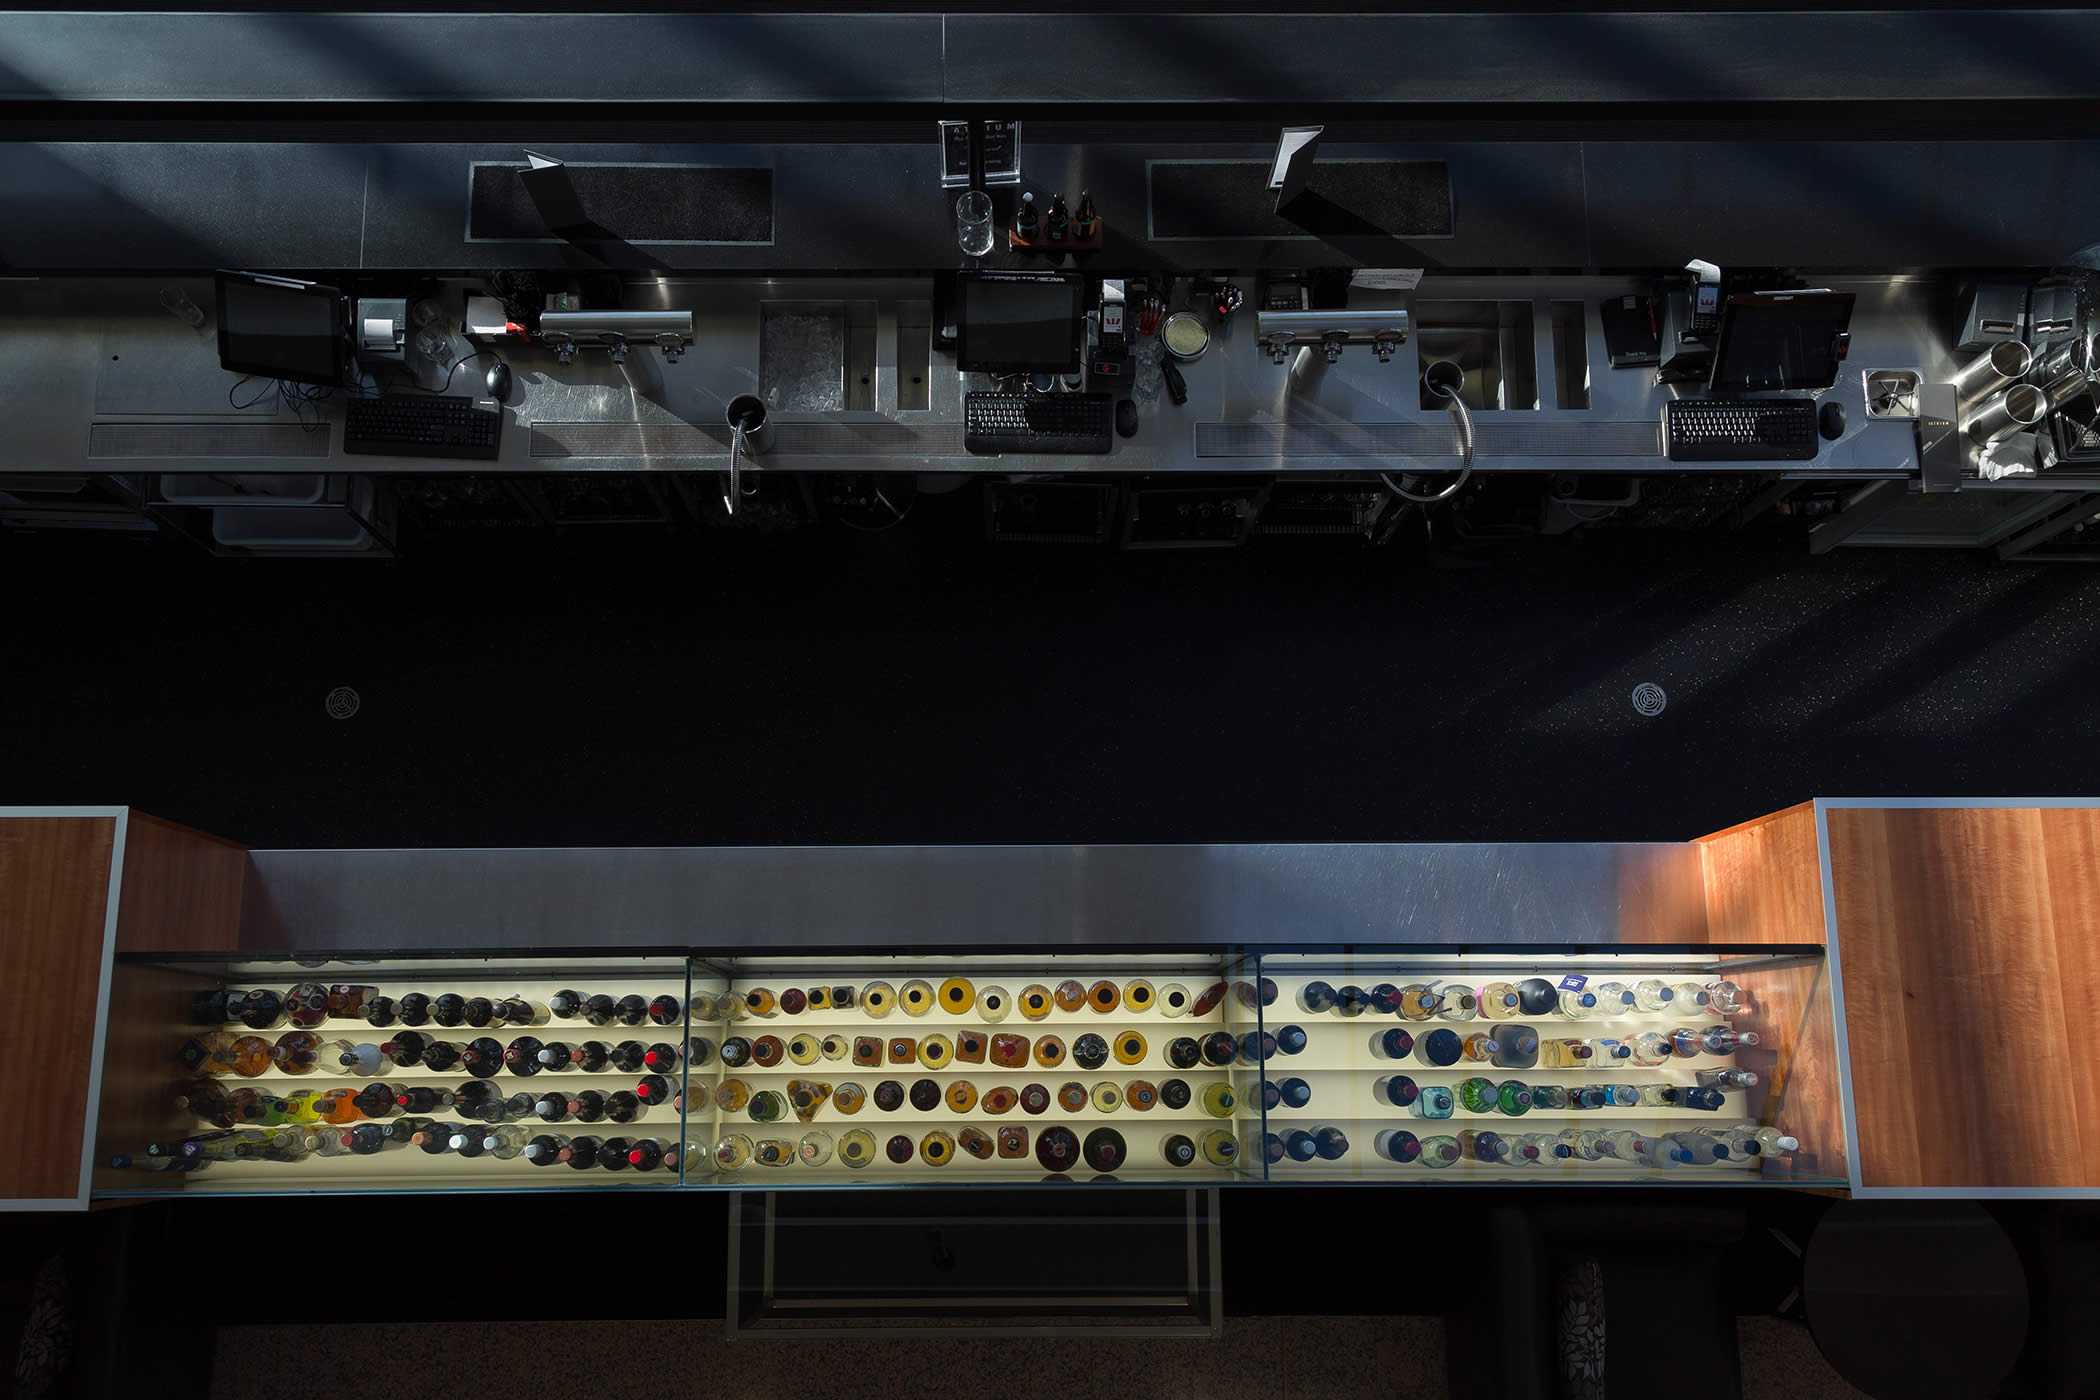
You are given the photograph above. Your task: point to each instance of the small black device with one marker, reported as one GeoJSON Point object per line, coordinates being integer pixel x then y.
{"type": "Point", "coordinates": [1177, 387]}
{"type": "Point", "coordinates": [1126, 418]}
{"type": "Point", "coordinates": [1061, 423]}
{"type": "Point", "coordinates": [282, 328]}
{"type": "Point", "coordinates": [421, 425]}
{"type": "Point", "coordinates": [1631, 336]}
{"type": "Point", "coordinates": [1781, 340]}
{"type": "Point", "coordinates": [1830, 419]}
{"type": "Point", "coordinates": [1740, 430]}
{"type": "Point", "coordinates": [1019, 322]}
{"type": "Point", "coordinates": [499, 381]}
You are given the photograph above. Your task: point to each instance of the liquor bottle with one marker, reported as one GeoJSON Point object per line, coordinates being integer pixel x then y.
{"type": "Point", "coordinates": [1582, 1143]}
{"type": "Point", "coordinates": [646, 1155]}
{"type": "Point", "coordinates": [347, 999]}
{"type": "Point", "coordinates": [522, 1056]}
{"type": "Point", "coordinates": [435, 1139]}
{"type": "Point", "coordinates": [1316, 997]}
{"type": "Point", "coordinates": [1385, 997]}
{"type": "Point", "coordinates": [1393, 1044]}
{"type": "Point", "coordinates": [1419, 1001]}
{"type": "Point", "coordinates": [376, 1099]}
{"type": "Point", "coordinates": [1727, 1078]}
{"type": "Point", "coordinates": [413, 1009]}
{"type": "Point", "coordinates": [1217, 1049]}
{"type": "Point", "coordinates": [260, 1010]}
{"type": "Point", "coordinates": [482, 1057]}
{"type": "Point", "coordinates": [405, 1048]}
{"type": "Point", "coordinates": [1552, 1097]}
{"type": "Point", "coordinates": [555, 1057]}
{"type": "Point", "coordinates": [566, 1004]}
{"type": "Point", "coordinates": [449, 1010]}
{"type": "Point", "coordinates": [1697, 1149]}
{"type": "Point", "coordinates": [1353, 1000]}
{"type": "Point", "coordinates": [1397, 1145]}
{"type": "Point", "coordinates": [1217, 1099]}
{"type": "Point", "coordinates": [442, 1056]}
{"type": "Point", "coordinates": [1026, 224]}
{"type": "Point", "coordinates": [1566, 1054]}
{"type": "Point", "coordinates": [1701, 1099]}
{"type": "Point", "coordinates": [626, 1057]}
{"type": "Point", "coordinates": [1184, 1053]}
{"type": "Point", "coordinates": [1478, 1047]}
{"type": "Point", "coordinates": [1512, 1098]}
{"type": "Point", "coordinates": [1177, 1149]}
{"type": "Point", "coordinates": [368, 1138]}
{"type": "Point", "coordinates": [1103, 1150]}
{"type": "Point", "coordinates": [1724, 998]}
{"type": "Point", "coordinates": [1499, 1001]}
{"type": "Point", "coordinates": [362, 1058]}
{"type": "Point", "coordinates": [1516, 1047]}
{"type": "Point", "coordinates": [479, 1100]}
{"type": "Point", "coordinates": [306, 1005]}
{"type": "Point", "coordinates": [1174, 1093]}
{"type": "Point", "coordinates": [1219, 1147]}
{"type": "Point", "coordinates": [1726, 1040]}
{"type": "Point", "coordinates": [1056, 227]}
{"type": "Point", "coordinates": [297, 1052]}
{"type": "Point", "coordinates": [600, 1010]}
{"type": "Point", "coordinates": [1330, 1143]}
{"type": "Point", "coordinates": [1439, 1049]}
{"type": "Point", "coordinates": [1521, 1152]}
{"type": "Point", "coordinates": [1399, 1091]}
{"type": "Point", "coordinates": [1624, 1145]}
{"type": "Point", "coordinates": [1296, 1093]}
{"type": "Point", "coordinates": [626, 1107]}
{"type": "Point", "coordinates": [588, 1106]}
{"type": "Point", "coordinates": [592, 1056]}
{"type": "Point", "coordinates": [1648, 1049]}
{"type": "Point", "coordinates": [545, 1149]}
{"type": "Point", "coordinates": [423, 1100]}
{"type": "Point", "coordinates": [1300, 1146]}
{"type": "Point", "coordinates": [1578, 1006]}
{"type": "Point", "coordinates": [551, 1107]}
{"type": "Point", "coordinates": [1460, 1004]}
{"type": "Point", "coordinates": [1538, 997]}
{"type": "Point", "coordinates": [1086, 224]}
{"type": "Point", "coordinates": [653, 1090]}
{"type": "Point", "coordinates": [1434, 1101]}
{"type": "Point", "coordinates": [209, 1008]}
{"type": "Point", "coordinates": [1749, 1140]}
{"type": "Point", "coordinates": [664, 1009]}
{"type": "Point", "coordinates": [1476, 1095]}
{"type": "Point", "coordinates": [1690, 999]}
{"type": "Point", "coordinates": [480, 1011]}
{"type": "Point", "coordinates": [631, 1010]}
{"type": "Point", "coordinates": [380, 1012]}
{"type": "Point", "coordinates": [1290, 1040]}
{"type": "Point", "coordinates": [503, 1143]}
{"type": "Point", "coordinates": [1614, 999]}
{"type": "Point", "coordinates": [581, 1153]}
{"type": "Point", "coordinates": [1440, 1151]}
{"type": "Point", "coordinates": [1544, 1147]}
{"type": "Point", "coordinates": [1651, 994]}
{"type": "Point", "coordinates": [1489, 1147]}
{"type": "Point", "coordinates": [210, 1101]}
{"type": "Point", "coordinates": [338, 1106]}
{"type": "Point", "coordinates": [1606, 1054]}
{"type": "Point", "coordinates": [522, 1012]}
{"type": "Point", "coordinates": [1656, 1095]}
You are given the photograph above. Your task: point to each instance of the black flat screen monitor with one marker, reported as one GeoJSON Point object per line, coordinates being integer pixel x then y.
{"type": "Point", "coordinates": [282, 328]}
{"type": "Point", "coordinates": [1780, 340]}
{"type": "Point", "coordinates": [1018, 322]}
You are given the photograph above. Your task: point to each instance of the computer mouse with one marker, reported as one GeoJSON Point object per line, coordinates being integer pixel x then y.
{"type": "Point", "coordinates": [1126, 418]}
{"type": "Point", "coordinates": [1830, 418]}
{"type": "Point", "coordinates": [499, 382]}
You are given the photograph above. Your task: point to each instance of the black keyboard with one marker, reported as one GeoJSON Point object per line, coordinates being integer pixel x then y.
{"type": "Point", "coordinates": [1047, 423]}
{"type": "Point", "coordinates": [421, 425]}
{"type": "Point", "coordinates": [1740, 430]}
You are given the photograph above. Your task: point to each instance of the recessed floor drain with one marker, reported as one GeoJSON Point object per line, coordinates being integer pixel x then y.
{"type": "Point", "coordinates": [342, 702]}
{"type": "Point", "coordinates": [1648, 698]}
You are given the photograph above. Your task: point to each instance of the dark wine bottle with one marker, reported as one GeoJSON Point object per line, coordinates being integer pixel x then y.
{"type": "Point", "coordinates": [441, 1056]}
{"type": "Point", "coordinates": [736, 1052]}
{"type": "Point", "coordinates": [413, 1009]}
{"type": "Point", "coordinates": [631, 1010]}
{"type": "Point", "coordinates": [566, 1004]}
{"type": "Point", "coordinates": [469, 1142]}
{"type": "Point", "coordinates": [1330, 1144]}
{"type": "Point", "coordinates": [1057, 1148]}
{"type": "Point", "coordinates": [653, 1090]}
{"type": "Point", "coordinates": [588, 1106]}
{"type": "Point", "coordinates": [1257, 1049]}
{"type": "Point", "coordinates": [646, 1155]}
{"type": "Point", "coordinates": [557, 1056]}
{"type": "Point", "coordinates": [1352, 1000]}
{"type": "Point", "coordinates": [1295, 1093]}
{"type": "Point", "coordinates": [1316, 997]}
{"type": "Point", "coordinates": [209, 1008]}
{"type": "Point", "coordinates": [1385, 999]}
{"type": "Point", "coordinates": [480, 1100]}
{"type": "Point", "coordinates": [521, 1012]}
{"type": "Point", "coordinates": [1175, 1093]}
{"type": "Point", "coordinates": [592, 1056]}
{"type": "Point", "coordinates": [1184, 1053]}
{"type": "Point", "coordinates": [262, 1011]}
{"type": "Point", "coordinates": [551, 1107]}
{"type": "Point", "coordinates": [1104, 1149]}
{"type": "Point", "coordinates": [1394, 1044]}
{"type": "Point", "coordinates": [479, 1011]}
{"type": "Point", "coordinates": [376, 1100]}
{"type": "Point", "coordinates": [624, 1107]}
{"type": "Point", "coordinates": [699, 1051]}
{"type": "Point", "coordinates": [482, 1057]}
{"type": "Point", "coordinates": [627, 1056]}
{"type": "Point", "coordinates": [436, 1138]}
{"type": "Point", "coordinates": [522, 1056]}
{"type": "Point", "coordinates": [403, 1130]}
{"type": "Point", "coordinates": [600, 1010]}
{"type": "Point", "coordinates": [1177, 1150]}
{"type": "Point", "coordinates": [1399, 1091]}
{"type": "Point", "coordinates": [381, 1011]}
{"type": "Point", "coordinates": [449, 1010]}
{"type": "Point", "coordinates": [422, 1100]}
{"type": "Point", "coordinates": [1300, 1146]}
{"type": "Point", "coordinates": [1217, 1049]}
{"type": "Point", "coordinates": [368, 1138]}
{"type": "Point", "coordinates": [660, 1058]}
{"type": "Point", "coordinates": [581, 1152]}
{"type": "Point", "coordinates": [664, 1010]}
{"type": "Point", "coordinates": [544, 1150]}
{"type": "Point", "coordinates": [1290, 1040]}
{"type": "Point", "coordinates": [613, 1155]}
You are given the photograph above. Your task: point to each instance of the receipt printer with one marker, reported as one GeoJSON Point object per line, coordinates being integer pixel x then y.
{"type": "Point", "coordinates": [382, 327]}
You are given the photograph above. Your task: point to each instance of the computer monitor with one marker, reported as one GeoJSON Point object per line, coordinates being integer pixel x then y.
{"type": "Point", "coordinates": [282, 328]}
{"type": "Point", "coordinates": [1781, 340]}
{"type": "Point", "coordinates": [1019, 322]}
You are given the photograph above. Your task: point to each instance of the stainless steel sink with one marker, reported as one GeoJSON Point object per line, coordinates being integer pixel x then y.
{"type": "Point", "coordinates": [817, 356]}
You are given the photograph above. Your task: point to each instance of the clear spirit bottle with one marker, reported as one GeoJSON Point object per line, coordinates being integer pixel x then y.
{"type": "Point", "coordinates": [1581, 1143]}
{"type": "Point", "coordinates": [1578, 1006]}
{"type": "Point", "coordinates": [1613, 999]}
{"type": "Point", "coordinates": [1649, 1049]}
{"type": "Point", "coordinates": [1499, 1001]}
{"type": "Point", "coordinates": [1726, 1078]}
{"type": "Point", "coordinates": [1440, 1151]}
{"type": "Point", "coordinates": [1607, 1054]}
{"type": "Point", "coordinates": [1690, 999]}
{"type": "Point", "coordinates": [1724, 998]}
{"type": "Point", "coordinates": [1460, 1004]}
{"type": "Point", "coordinates": [1649, 994]}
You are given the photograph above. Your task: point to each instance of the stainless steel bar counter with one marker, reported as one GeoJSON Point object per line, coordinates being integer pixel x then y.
{"type": "Point", "coordinates": [100, 378]}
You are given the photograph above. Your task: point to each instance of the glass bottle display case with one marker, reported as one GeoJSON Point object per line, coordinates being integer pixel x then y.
{"type": "Point", "coordinates": [761, 1072]}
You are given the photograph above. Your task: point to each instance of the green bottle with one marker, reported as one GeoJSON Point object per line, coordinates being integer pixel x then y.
{"type": "Point", "coordinates": [1512, 1098]}
{"type": "Point", "coordinates": [767, 1106]}
{"type": "Point", "coordinates": [1477, 1095]}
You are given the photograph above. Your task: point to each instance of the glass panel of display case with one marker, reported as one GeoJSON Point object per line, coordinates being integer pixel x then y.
{"type": "Point", "coordinates": [1700, 1066]}
{"type": "Point", "coordinates": [955, 1070]}
{"type": "Point", "coordinates": [240, 1075]}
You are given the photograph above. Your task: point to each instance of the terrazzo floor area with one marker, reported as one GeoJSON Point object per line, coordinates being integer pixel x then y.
{"type": "Point", "coordinates": [1258, 1358]}
{"type": "Point", "coordinates": [1780, 1362]}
